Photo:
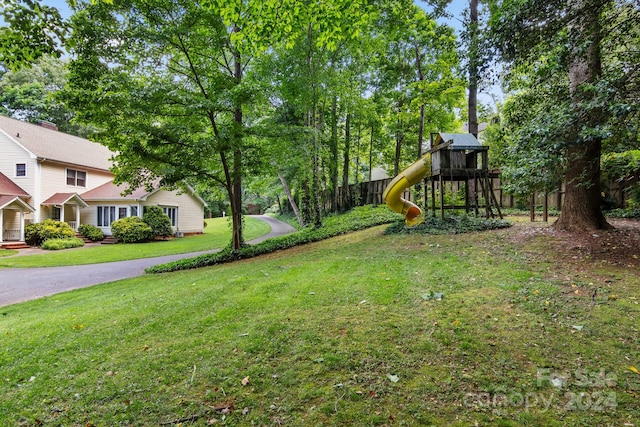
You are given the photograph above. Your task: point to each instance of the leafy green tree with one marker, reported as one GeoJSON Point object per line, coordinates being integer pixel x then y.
{"type": "Point", "coordinates": [163, 81]}
{"type": "Point", "coordinates": [574, 82]}
{"type": "Point", "coordinates": [31, 30]}
{"type": "Point", "coordinates": [166, 82]}
{"type": "Point", "coordinates": [31, 94]}
{"type": "Point", "coordinates": [419, 78]}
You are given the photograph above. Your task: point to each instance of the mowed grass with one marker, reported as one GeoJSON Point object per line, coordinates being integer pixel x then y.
{"type": "Point", "coordinates": [363, 329]}
{"type": "Point", "coordinates": [217, 234]}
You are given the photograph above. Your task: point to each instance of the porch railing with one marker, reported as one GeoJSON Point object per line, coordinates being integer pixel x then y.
{"type": "Point", "coordinates": [11, 235]}
{"type": "Point", "coordinates": [73, 224]}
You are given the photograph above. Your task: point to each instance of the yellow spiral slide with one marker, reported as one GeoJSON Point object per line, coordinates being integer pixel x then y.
{"type": "Point", "coordinates": [392, 195]}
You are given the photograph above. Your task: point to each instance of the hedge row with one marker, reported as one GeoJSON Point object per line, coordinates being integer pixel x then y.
{"type": "Point", "coordinates": [334, 225]}
{"type": "Point", "coordinates": [57, 244]}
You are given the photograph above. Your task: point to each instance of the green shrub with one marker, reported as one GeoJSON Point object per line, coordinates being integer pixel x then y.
{"type": "Point", "coordinates": [159, 222]}
{"type": "Point", "coordinates": [131, 230]}
{"type": "Point", "coordinates": [630, 213]}
{"type": "Point", "coordinates": [37, 233]}
{"type": "Point", "coordinates": [91, 232]}
{"type": "Point", "coordinates": [57, 244]}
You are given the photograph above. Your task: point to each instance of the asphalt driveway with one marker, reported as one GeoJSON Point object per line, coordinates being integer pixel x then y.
{"type": "Point", "coordinates": [22, 284]}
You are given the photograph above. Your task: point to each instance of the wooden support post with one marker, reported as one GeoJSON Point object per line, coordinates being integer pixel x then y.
{"type": "Point", "coordinates": [532, 211]}
{"type": "Point", "coordinates": [493, 197]}
{"type": "Point", "coordinates": [441, 182]}
{"type": "Point", "coordinates": [545, 207]}
{"type": "Point", "coordinates": [433, 197]}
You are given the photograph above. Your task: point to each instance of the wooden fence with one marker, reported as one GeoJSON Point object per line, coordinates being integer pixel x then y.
{"type": "Point", "coordinates": [365, 193]}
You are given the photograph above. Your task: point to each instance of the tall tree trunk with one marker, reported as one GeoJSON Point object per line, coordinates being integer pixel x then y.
{"type": "Point", "coordinates": [418, 186]}
{"type": "Point", "coordinates": [473, 69]}
{"type": "Point", "coordinates": [333, 165]}
{"type": "Point", "coordinates": [346, 204]}
{"type": "Point", "coordinates": [237, 238]}
{"type": "Point", "coordinates": [399, 139]}
{"type": "Point", "coordinates": [292, 201]}
{"type": "Point", "coordinates": [370, 185]}
{"type": "Point", "coordinates": [581, 210]}
{"type": "Point", "coordinates": [358, 200]}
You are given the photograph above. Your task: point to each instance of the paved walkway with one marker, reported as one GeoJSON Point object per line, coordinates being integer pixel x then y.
{"type": "Point", "coordinates": [22, 284]}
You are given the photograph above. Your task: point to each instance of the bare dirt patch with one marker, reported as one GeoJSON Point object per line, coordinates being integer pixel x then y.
{"type": "Point", "coordinates": [619, 246]}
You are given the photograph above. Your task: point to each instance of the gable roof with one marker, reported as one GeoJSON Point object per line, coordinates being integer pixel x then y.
{"type": "Point", "coordinates": [7, 201]}
{"type": "Point", "coordinates": [10, 188]}
{"type": "Point", "coordinates": [459, 141]}
{"type": "Point", "coordinates": [112, 192]}
{"type": "Point", "coordinates": [63, 198]}
{"type": "Point", "coordinates": [48, 144]}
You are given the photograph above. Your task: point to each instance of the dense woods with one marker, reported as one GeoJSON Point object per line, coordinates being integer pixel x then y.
{"type": "Point", "coordinates": [284, 102]}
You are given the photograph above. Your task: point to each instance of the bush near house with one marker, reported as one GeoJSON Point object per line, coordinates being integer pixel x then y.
{"type": "Point", "coordinates": [159, 222]}
{"type": "Point", "coordinates": [36, 233]}
{"type": "Point", "coordinates": [91, 232]}
{"type": "Point", "coordinates": [57, 244]}
{"type": "Point", "coordinates": [131, 230]}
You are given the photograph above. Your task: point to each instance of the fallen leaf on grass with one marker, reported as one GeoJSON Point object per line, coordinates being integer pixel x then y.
{"type": "Point", "coordinates": [245, 380]}
{"type": "Point", "coordinates": [634, 369]}
{"type": "Point", "coordinates": [225, 407]}
{"type": "Point", "coordinates": [393, 378]}
{"type": "Point", "coordinates": [578, 327]}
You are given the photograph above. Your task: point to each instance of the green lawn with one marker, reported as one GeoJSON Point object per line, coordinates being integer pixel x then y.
{"type": "Point", "coordinates": [363, 329]}
{"type": "Point", "coordinates": [217, 234]}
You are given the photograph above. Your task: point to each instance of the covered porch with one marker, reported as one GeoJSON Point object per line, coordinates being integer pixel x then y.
{"type": "Point", "coordinates": [12, 219]}
{"type": "Point", "coordinates": [65, 207]}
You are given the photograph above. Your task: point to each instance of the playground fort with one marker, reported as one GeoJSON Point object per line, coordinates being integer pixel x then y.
{"type": "Point", "coordinates": [453, 157]}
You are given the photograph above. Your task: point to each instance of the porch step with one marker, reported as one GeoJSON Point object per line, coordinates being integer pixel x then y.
{"type": "Point", "coordinates": [84, 239]}
{"type": "Point", "coordinates": [14, 245]}
{"type": "Point", "coordinates": [109, 240]}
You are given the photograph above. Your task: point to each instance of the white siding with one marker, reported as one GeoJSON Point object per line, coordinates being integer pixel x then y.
{"type": "Point", "coordinates": [54, 179]}
{"type": "Point", "coordinates": [190, 210]}
{"type": "Point", "coordinates": [13, 154]}
{"type": "Point", "coordinates": [89, 215]}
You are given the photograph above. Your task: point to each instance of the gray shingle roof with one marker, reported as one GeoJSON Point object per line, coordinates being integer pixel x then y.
{"type": "Point", "coordinates": [57, 146]}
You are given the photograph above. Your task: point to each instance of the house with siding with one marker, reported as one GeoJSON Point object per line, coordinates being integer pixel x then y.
{"type": "Point", "coordinates": [49, 174]}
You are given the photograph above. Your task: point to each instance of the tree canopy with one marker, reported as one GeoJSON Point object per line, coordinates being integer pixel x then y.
{"type": "Point", "coordinates": [231, 95]}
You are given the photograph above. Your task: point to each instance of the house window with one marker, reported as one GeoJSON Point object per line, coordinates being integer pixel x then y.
{"type": "Point", "coordinates": [106, 215]}
{"type": "Point", "coordinates": [172, 213]}
{"type": "Point", "coordinates": [21, 169]}
{"type": "Point", "coordinates": [76, 178]}
{"type": "Point", "coordinates": [55, 213]}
